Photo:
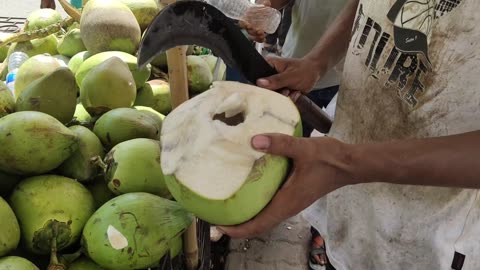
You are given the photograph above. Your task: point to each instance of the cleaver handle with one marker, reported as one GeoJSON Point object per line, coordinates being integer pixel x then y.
{"type": "Point", "coordinates": [313, 114]}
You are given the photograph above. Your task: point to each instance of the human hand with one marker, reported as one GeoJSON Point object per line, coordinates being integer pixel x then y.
{"type": "Point", "coordinates": [256, 34]}
{"type": "Point", "coordinates": [314, 175]}
{"type": "Point", "coordinates": [296, 74]}
{"type": "Point", "coordinates": [47, 4]}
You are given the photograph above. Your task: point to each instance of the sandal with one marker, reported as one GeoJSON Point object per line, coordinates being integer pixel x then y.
{"type": "Point", "coordinates": [318, 255]}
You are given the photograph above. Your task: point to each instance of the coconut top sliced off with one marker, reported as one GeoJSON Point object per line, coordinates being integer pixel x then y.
{"type": "Point", "coordinates": [206, 141]}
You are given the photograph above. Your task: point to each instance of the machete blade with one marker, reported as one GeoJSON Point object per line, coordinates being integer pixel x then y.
{"type": "Point", "coordinates": [198, 23]}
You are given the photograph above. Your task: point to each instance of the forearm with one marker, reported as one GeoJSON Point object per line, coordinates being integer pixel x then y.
{"type": "Point", "coordinates": [334, 43]}
{"type": "Point", "coordinates": [451, 161]}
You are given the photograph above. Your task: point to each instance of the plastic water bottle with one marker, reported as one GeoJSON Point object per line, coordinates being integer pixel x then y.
{"type": "Point", "coordinates": [259, 16]}
{"type": "Point", "coordinates": [76, 3]}
{"type": "Point", "coordinates": [15, 60]}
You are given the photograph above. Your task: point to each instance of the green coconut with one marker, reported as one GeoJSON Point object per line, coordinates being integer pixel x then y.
{"type": "Point", "coordinates": [7, 183]}
{"type": "Point", "coordinates": [134, 166]}
{"type": "Point", "coordinates": [10, 233]}
{"type": "Point", "coordinates": [77, 60]}
{"type": "Point", "coordinates": [42, 18]}
{"type": "Point", "coordinates": [51, 209]}
{"type": "Point", "coordinates": [109, 25]}
{"type": "Point", "coordinates": [54, 94]}
{"type": "Point", "coordinates": [32, 69]}
{"type": "Point", "coordinates": [176, 246]}
{"type": "Point", "coordinates": [209, 164]}
{"type": "Point", "coordinates": [71, 43]}
{"type": "Point", "coordinates": [156, 95]}
{"type": "Point", "coordinates": [62, 59]}
{"type": "Point", "coordinates": [134, 231]}
{"type": "Point", "coordinates": [156, 115]}
{"type": "Point", "coordinates": [7, 101]}
{"type": "Point", "coordinates": [80, 165]}
{"type": "Point", "coordinates": [199, 75]}
{"type": "Point", "coordinates": [16, 263]}
{"type": "Point", "coordinates": [100, 191]}
{"type": "Point", "coordinates": [160, 61]}
{"type": "Point", "coordinates": [81, 115]}
{"type": "Point", "coordinates": [108, 86]}
{"type": "Point", "coordinates": [46, 45]}
{"type": "Point", "coordinates": [3, 53]}
{"type": "Point", "coordinates": [4, 49]}
{"type": "Point", "coordinates": [123, 124]}
{"type": "Point", "coordinates": [143, 10]}
{"type": "Point", "coordinates": [212, 62]}
{"type": "Point", "coordinates": [84, 263]}
{"type": "Point", "coordinates": [34, 143]}
{"type": "Point", "coordinates": [140, 75]}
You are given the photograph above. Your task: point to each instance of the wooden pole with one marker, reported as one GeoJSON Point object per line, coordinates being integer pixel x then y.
{"type": "Point", "coordinates": [177, 72]}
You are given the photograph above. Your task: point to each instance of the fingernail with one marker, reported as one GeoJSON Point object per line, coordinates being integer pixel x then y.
{"type": "Point", "coordinates": [263, 82]}
{"type": "Point", "coordinates": [261, 142]}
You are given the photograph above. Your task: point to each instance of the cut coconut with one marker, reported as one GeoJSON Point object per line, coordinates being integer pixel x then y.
{"type": "Point", "coordinates": [206, 149]}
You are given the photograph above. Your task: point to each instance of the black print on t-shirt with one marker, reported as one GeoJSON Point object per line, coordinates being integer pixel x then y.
{"type": "Point", "coordinates": [408, 60]}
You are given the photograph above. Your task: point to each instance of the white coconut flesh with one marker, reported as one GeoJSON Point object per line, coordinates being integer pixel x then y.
{"type": "Point", "coordinates": [206, 142]}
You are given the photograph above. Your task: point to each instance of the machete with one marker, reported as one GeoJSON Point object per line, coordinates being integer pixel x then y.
{"type": "Point", "coordinates": [198, 23]}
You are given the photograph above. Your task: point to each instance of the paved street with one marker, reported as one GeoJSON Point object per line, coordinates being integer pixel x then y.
{"type": "Point", "coordinates": [21, 8]}
{"type": "Point", "coordinates": [286, 247]}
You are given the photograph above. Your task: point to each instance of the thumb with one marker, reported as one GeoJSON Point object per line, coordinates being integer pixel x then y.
{"type": "Point", "coordinates": [279, 144]}
{"type": "Point", "coordinates": [276, 81]}
{"type": "Point", "coordinates": [276, 62]}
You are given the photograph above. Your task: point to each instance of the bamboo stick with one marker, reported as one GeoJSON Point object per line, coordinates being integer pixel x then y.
{"type": "Point", "coordinates": [177, 71]}
{"type": "Point", "coordinates": [190, 246]}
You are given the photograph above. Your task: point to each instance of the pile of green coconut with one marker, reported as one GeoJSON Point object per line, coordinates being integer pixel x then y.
{"type": "Point", "coordinates": [96, 169]}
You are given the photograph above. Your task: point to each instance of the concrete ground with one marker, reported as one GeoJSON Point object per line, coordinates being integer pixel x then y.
{"type": "Point", "coordinates": [284, 248]}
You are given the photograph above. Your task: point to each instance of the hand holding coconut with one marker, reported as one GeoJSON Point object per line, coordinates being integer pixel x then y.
{"type": "Point", "coordinates": [315, 173]}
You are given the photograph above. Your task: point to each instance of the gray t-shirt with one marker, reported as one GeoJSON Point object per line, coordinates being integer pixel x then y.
{"type": "Point", "coordinates": [411, 71]}
{"type": "Point", "coordinates": [310, 19]}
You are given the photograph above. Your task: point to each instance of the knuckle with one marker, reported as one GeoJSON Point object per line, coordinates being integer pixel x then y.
{"type": "Point", "coordinates": [286, 142]}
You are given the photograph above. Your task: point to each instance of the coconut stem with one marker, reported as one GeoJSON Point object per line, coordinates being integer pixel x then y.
{"type": "Point", "coordinates": [97, 160]}
{"type": "Point", "coordinates": [54, 263]}
{"type": "Point", "coordinates": [40, 33]}
{"type": "Point", "coordinates": [70, 10]}
{"type": "Point", "coordinates": [53, 252]}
